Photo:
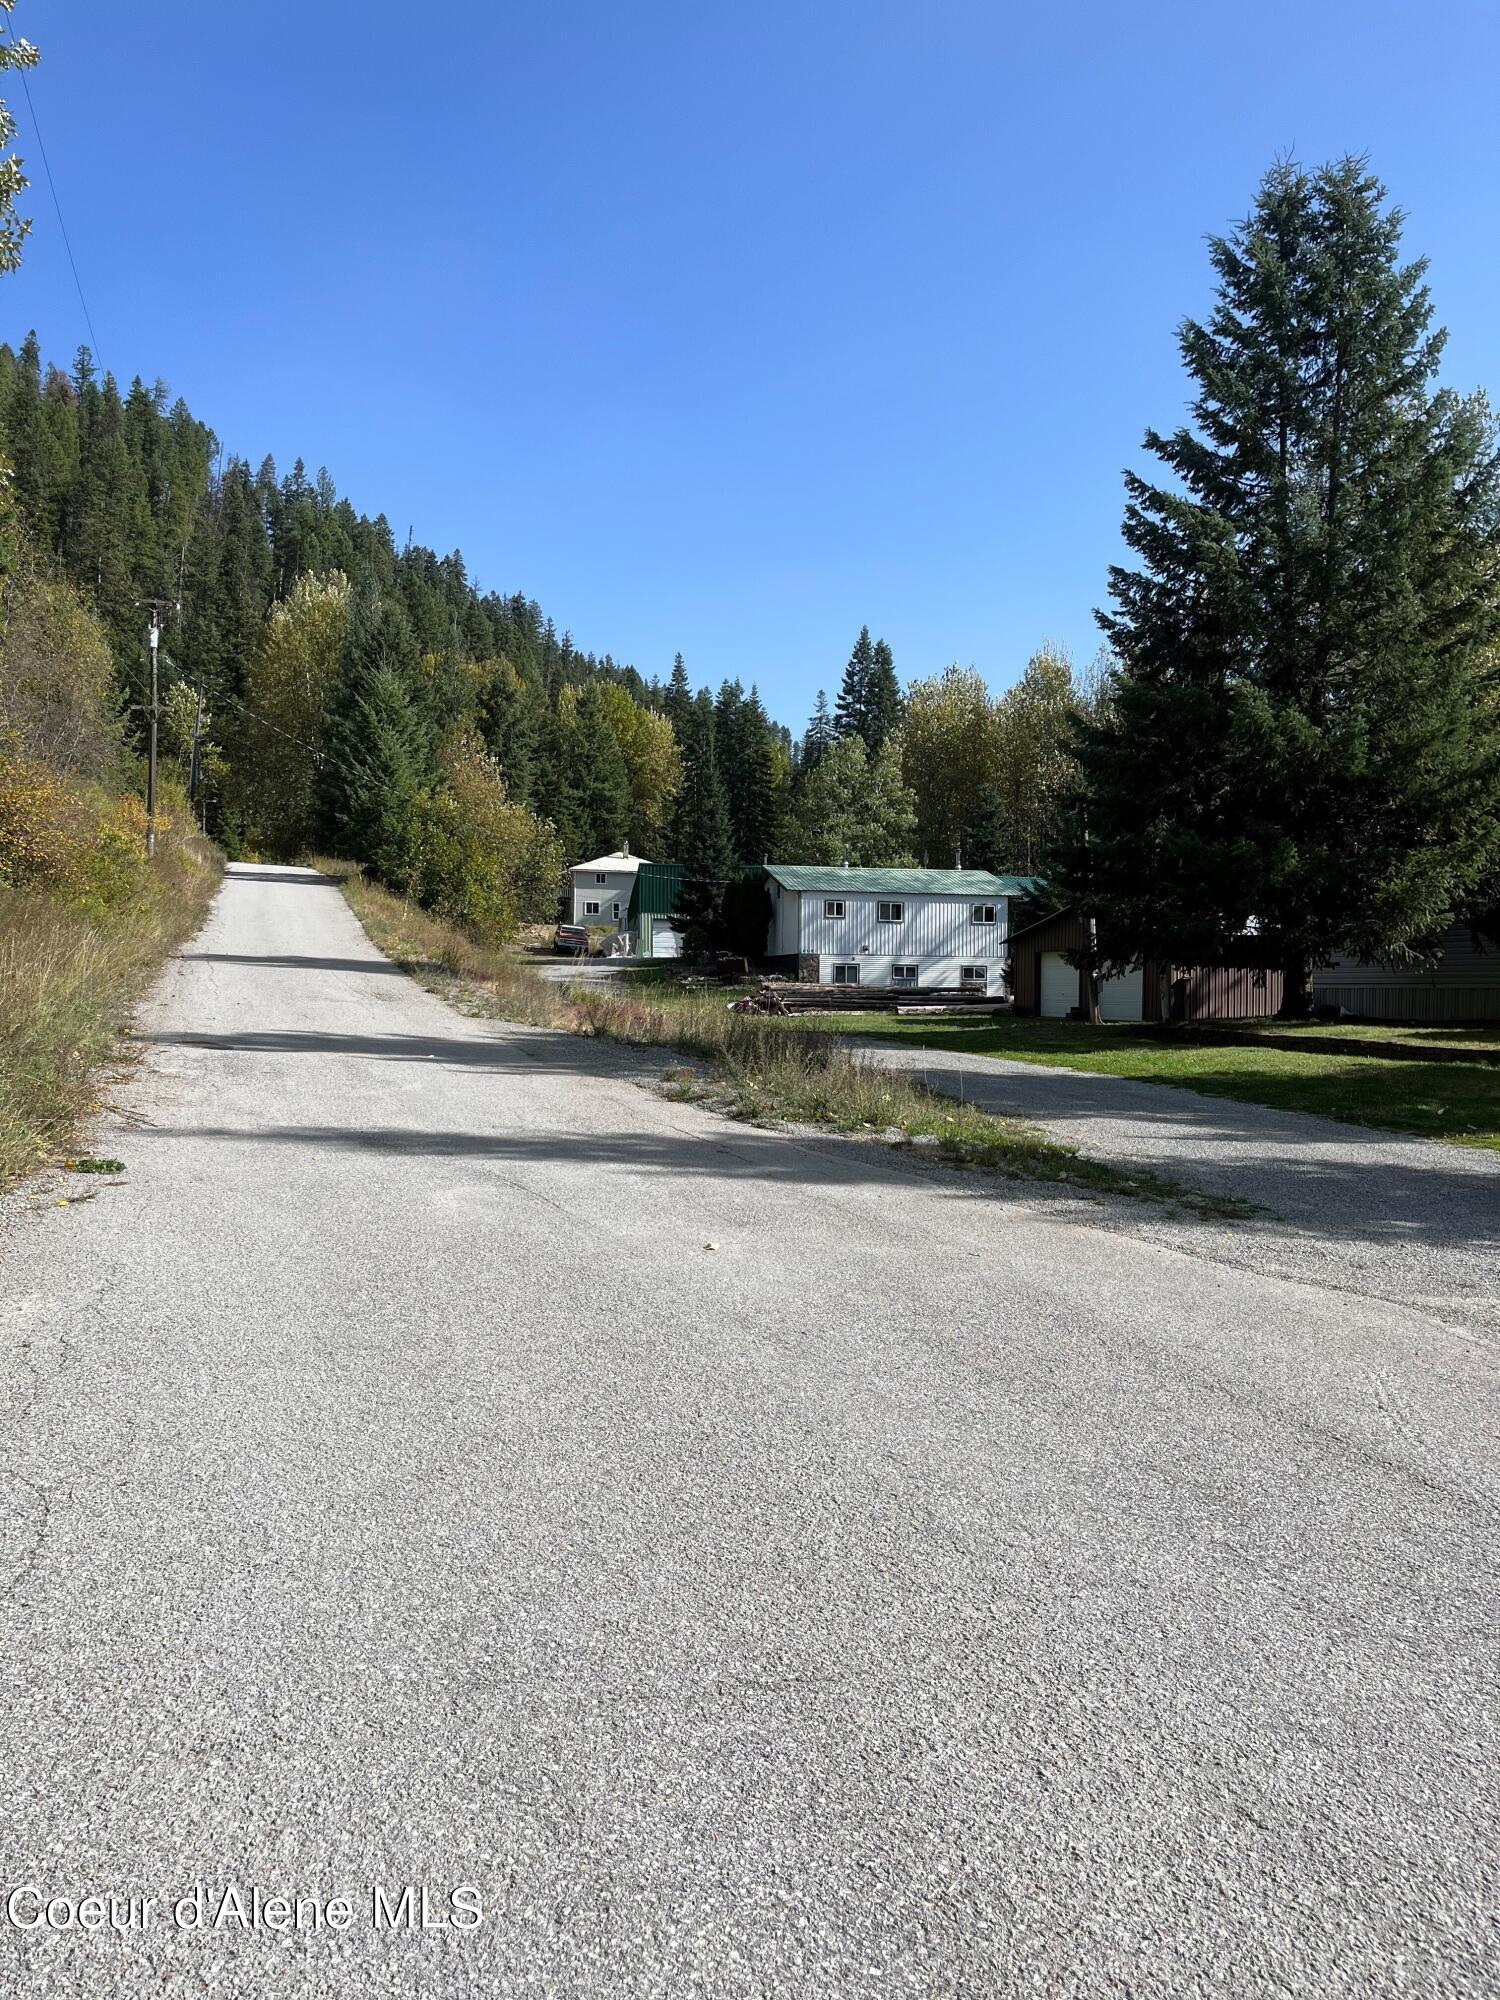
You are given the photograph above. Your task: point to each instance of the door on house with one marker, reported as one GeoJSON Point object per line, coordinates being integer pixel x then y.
{"type": "Point", "coordinates": [1059, 987]}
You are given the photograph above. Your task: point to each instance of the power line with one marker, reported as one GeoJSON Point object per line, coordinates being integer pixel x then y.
{"type": "Point", "coordinates": [36, 127]}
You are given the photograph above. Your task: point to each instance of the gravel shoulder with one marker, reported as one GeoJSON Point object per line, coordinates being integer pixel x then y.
{"type": "Point", "coordinates": [1344, 1207]}
{"type": "Point", "coordinates": [760, 1564]}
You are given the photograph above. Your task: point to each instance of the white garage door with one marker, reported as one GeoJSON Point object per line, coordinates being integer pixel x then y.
{"type": "Point", "coordinates": [665, 940]}
{"type": "Point", "coordinates": [1059, 995]}
{"type": "Point", "coordinates": [1120, 998]}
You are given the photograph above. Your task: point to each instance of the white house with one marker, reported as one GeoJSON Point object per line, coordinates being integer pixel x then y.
{"type": "Point", "coordinates": [602, 887]}
{"type": "Point", "coordinates": [926, 927]}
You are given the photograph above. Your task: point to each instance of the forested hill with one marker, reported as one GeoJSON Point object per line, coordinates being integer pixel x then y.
{"type": "Point", "coordinates": [132, 495]}
{"type": "Point", "coordinates": [326, 690]}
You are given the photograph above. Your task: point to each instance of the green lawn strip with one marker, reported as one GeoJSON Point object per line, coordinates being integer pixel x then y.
{"type": "Point", "coordinates": [764, 1071]}
{"type": "Point", "coordinates": [1459, 1102]}
{"type": "Point", "coordinates": [1478, 1035]}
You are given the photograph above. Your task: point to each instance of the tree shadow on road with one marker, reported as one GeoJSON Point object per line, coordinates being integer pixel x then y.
{"type": "Point", "coordinates": [1426, 1200]}
{"type": "Point", "coordinates": [292, 964]}
{"type": "Point", "coordinates": [301, 878]}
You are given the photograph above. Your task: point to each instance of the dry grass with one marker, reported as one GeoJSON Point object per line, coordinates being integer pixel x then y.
{"type": "Point", "coordinates": [752, 1067]}
{"type": "Point", "coordinates": [66, 980]}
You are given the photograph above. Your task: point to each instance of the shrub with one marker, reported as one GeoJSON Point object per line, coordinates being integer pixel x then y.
{"type": "Point", "coordinates": [477, 859]}
{"type": "Point", "coordinates": [85, 923]}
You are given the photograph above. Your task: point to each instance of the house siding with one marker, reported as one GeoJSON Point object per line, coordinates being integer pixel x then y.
{"type": "Point", "coordinates": [1464, 985]}
{"type": "Point", "coordinates": [785, 940]}
{"type": "Point", "coordinates": [616, 888]}
{"type": "Point", "coordinates": [943, 973]}
{"type": "Point", "coordinates": [936, 928]}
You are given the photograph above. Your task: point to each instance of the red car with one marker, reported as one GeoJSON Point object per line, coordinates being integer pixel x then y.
{"type": "Point", "coordinates": [571, 938]}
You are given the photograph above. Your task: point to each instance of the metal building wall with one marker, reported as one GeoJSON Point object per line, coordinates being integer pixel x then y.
{"type": "Point", "coordinates": [1464, 985]}
{"type": "Point", "coordinates": [1064, 932]}
{"type": "Point", "coordinates": [1222, 993]}
{"type": "Point", "coordinates": [935, 927]}
{"type": "Point", "coordinates": [784, 940]}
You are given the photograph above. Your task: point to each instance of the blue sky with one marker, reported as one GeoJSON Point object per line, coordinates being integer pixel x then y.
{"type": "Point", "coordinates": [717, 329]}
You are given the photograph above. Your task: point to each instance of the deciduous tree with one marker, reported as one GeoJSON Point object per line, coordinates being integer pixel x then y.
{"type": "Point", "coordinates": [949, 753]}
{"type": "Point", "coordinates": [278, 744]}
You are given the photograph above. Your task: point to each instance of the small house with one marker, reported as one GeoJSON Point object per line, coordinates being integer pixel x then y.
{"type": "Point", "coordinates": [602, 888]}
{"type": "Point", "coordinates": [893, 927]}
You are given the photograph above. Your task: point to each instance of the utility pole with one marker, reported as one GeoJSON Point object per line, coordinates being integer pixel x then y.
{"type": "Point", "coordinates": [158, 608]}
{"type": "Point", "coordinates": [193, 769]}
{"type": "Point", "coordinates": [153, 639]}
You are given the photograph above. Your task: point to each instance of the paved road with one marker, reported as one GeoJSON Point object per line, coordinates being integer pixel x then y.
{"type": "Point", "coordinates": [929, 1590]}
{"type": "Point", "coordinates": [1410, 1220]}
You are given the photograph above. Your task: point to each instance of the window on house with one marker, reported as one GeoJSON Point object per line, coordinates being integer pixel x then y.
{"type": "Point", "coordinates": [974, 975]}
{"type": "Point", "coordinates": [616, 909]}
{"type": "Point", "coordinates": [591, 909]}
{"type": "Point", "coordinates": [834, 907]}
{"type": "Point", "coordinates": [846, 975]}
{"type": "Point", "coordinates": [983, 913]}
{"type": "Point", "coordinates": [903, 975]}
{"type": "Point", "coordinates": [601, 878]}
{"type": "Point", "coordinates": [890, 913]}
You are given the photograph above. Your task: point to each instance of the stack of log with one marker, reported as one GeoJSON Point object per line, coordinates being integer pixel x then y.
{"type": "Point", "coordinates": [788, 997]}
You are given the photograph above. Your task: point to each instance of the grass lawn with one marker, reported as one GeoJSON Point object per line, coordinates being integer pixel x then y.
{"type": "Point", "coordinates": [1455, 1101]}
{"type": "Point", "coordinates": [1448, 1035]}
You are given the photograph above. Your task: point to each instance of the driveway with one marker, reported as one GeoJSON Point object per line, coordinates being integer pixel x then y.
{"type": "Point", "coordinates": [1373, 1213]}
{"type": "Point", "coordinates": [757, 1566]}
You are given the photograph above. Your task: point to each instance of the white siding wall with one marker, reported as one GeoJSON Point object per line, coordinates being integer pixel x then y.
{"type": "Point", "coordinates": [785, 935]}
{"type": "Point", "coordinates": [934, 927]}
{"type": "Point", "coordinates": [930, 971]}
{"type": "Point", "coordinates": [614, 889]}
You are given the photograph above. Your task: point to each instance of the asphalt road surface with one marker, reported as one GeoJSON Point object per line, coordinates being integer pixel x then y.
{"type": "Point", "coordinates": [757, 1566]}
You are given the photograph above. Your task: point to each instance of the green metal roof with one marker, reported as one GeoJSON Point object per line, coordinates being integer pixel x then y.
{"type": "Point", "coordinates": [658, 884]}
{"type": "Point", "coordinates": [901, 881]}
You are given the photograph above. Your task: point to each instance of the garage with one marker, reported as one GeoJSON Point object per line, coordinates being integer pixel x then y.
{"type": "Point", "coordinates": [1120, 998]}
{"type": "Point", "coordinates": [1059, 986]}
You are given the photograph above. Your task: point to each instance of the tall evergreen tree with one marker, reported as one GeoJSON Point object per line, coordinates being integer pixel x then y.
{"type": "Point", "coordinates": [511, 724]}
{"type": "Point", "coordinates": [883, 703]}
{"type": "Point", "coordinates": [759, 797]}
{"type": "Point", "coordinates": [821, 733]}
{"type": "Point", "coordinates": [851, 707]}
{"type": "Point", "coordinates": [374, 757]}
{"type": "Point", "coordinates": [730, 746]}
{"type": "Point", "coordinates": [1304, 731]}
{"type": "Point", "coordinates": [552, 791]}
{"type": "Point", "coordinates": [678, 700]}
{"type": "Point", "coordinates": [599, 780]}
{"type": "Point", "coordinates": [869, 703]}
{"type": "Point", "coordinates": [701, 834]}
